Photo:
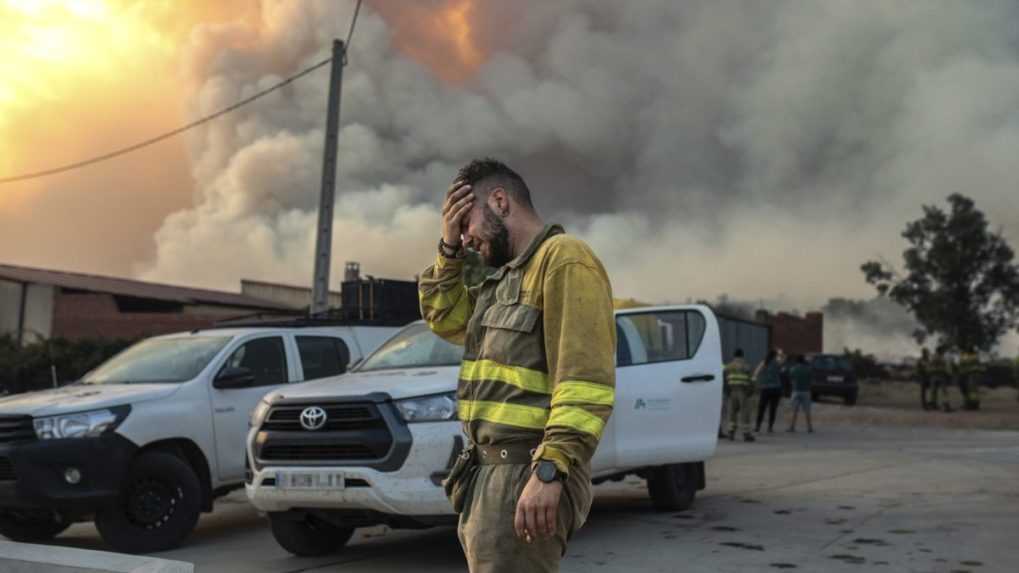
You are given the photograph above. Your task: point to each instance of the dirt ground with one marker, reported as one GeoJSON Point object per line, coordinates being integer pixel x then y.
{"type": "Point", "coordinates": [889, 403]}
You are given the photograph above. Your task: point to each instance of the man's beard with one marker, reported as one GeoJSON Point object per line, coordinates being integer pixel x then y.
{"type": "Point", "coordinates": [497, 236]}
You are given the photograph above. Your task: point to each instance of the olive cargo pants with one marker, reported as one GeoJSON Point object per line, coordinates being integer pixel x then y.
{"type": "Point", "coordinates": [741, 405]}
{"type": "Point", "coordinates": [486, 521]}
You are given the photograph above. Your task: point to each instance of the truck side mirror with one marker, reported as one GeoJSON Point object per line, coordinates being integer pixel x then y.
{"type": "Point", "coordinates": [234, 377]}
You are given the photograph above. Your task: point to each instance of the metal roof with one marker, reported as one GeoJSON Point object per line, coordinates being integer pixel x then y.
{"type": "Point", "coordinates": [139, 289]}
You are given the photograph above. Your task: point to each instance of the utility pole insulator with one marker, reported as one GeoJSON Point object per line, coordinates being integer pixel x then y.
{"type": "Point", "coordinates": [324, 238]}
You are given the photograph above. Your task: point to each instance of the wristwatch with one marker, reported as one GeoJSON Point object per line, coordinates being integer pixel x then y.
{"type": "Point", "coordinates": [449, 251]}
{"type": "Point", "coordinates": [547, 471]}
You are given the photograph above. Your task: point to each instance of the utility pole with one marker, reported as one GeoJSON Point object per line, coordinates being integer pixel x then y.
{"type": "Point", "coordinates": [324, 239]}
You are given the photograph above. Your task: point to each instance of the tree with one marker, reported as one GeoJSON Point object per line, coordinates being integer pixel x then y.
{"type": "Point", "coordinates": [960, 282]}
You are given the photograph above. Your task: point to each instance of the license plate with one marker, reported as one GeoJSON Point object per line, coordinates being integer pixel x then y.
{"type": "Point", "coordinates": [310, 480]}
{"type": "Point", "coordinates": [836, 378]}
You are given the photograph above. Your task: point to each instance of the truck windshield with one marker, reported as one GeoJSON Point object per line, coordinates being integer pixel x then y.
{"type": "Point", "coordinates": [413, 347]}
{"type": "Point", "coordinates": [828, 362]}
{"type": "Point", "coordinates": [159, 360]}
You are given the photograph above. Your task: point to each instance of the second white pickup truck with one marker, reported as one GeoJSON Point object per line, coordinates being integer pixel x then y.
{"type": "Point", "coordinates": [372, 447]}
{"type": "Point", "coordinates": [144, 443]}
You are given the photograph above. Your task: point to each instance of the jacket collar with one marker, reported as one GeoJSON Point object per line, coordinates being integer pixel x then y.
{"type": "Point", "coordinates": [547, 232]}
{"type": "Point", "coordinates": [522, 259]}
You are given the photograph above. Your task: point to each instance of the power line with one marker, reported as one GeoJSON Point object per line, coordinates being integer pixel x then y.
{"type": "Point", "coordinates": [161, 137]}
{"type": "Point", "coordinates": [186, 127]}
{"type": "Point", "coordinates": [353, 21]}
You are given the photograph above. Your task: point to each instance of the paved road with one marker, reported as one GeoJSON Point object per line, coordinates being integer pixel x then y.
{"type": "Point", "coordinates": [844, 499]}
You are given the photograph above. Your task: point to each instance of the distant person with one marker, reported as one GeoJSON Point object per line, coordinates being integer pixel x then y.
{"type": "Point", "coordinates": [971, 371]}
{"type": "Point", "coordinates": [769, 382]}
{"type": "Point", "coordinates": [741, 393]}
{"type": "Point", "coordinates": [801, 379]}
{"type": "Point", "coordinates": [940, 377]}
{"type": "Point", "coordinates": [923, 374]}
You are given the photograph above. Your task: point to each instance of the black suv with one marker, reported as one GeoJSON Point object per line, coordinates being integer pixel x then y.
{"type": "Point", "coordinates": [833, 376]}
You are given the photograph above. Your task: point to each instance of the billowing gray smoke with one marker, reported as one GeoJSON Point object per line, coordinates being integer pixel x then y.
{"type": "Point", "coordinates": [878, 325]}
{"type": "Point", "coordinates": [761, 149]}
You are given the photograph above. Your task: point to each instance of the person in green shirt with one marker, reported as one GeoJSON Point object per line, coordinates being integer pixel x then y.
{"type": "Point", "coordinates": [801, 378]}
{"type": "Point", "coordinates": [769, 382]}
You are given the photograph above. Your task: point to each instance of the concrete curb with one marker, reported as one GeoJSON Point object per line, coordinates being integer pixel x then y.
{"type": "Point", "coordinates": [26, 558]}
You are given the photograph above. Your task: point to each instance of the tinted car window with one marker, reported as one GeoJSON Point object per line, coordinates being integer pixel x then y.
{"type": "Point", "coordinates": [828, 362]}
{"type": "Point", "coordinates": [322, 356]}
{"type": "Point", "coordinates": [265, 358]}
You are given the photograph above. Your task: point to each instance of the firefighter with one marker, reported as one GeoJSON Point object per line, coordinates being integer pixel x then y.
{"type": "Point", "coordinates": [923, 373]}
{"type": "Point", "coordinates": [537, 382]}
{"type": "Point", "coordinates": [940, 377]}
{"type": "Point", "coordinates": [971, 370]}
{"type": "Point", "coordinates": [741, 393]}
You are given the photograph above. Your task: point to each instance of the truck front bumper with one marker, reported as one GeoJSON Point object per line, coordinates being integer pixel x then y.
{"type": "Point", "coordinates": [413, 489]}
{"type": "Point", "coordinates": [34, 474]}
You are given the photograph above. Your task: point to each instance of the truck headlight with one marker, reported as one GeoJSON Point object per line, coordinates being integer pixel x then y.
{"type": "Point", "coordinates": [79, 425]}
{"type": "Point", "coordinates": [258, 414]}
{"type": "Point", "coordinates": [435, 408]}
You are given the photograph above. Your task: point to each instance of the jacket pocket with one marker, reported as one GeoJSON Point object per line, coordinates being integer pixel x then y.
{"type": "Point", "coordinates": [515, 317]}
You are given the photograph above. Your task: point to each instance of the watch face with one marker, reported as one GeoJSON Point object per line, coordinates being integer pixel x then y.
{"type": "Point", "coordinates": [546, 471]}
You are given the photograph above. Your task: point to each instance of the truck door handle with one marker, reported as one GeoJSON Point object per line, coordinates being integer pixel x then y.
{"type": "Point", "coordinates": [698, 378]}
{"type": "Point", "coordinates": [226, 410]}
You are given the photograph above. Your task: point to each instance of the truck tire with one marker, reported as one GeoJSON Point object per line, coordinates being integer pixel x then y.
{"type": "Point", "coordinates": [158, 507]}
{"type": "Point", "coordinates": [672, 487]}
{"type": "Point", "coordinates": [31, 526]}
{"type": "Point", "coordinates": [307, 535]}
{"type": "Point", "coordinates": [849, 399]}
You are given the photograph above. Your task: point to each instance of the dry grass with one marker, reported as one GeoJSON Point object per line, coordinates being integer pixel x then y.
{"type": "Point", "coordinates": [888, 403]}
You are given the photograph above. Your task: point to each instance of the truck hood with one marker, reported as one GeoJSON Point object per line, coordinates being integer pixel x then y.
{"type": "Point", "coordinates": [403, 383]}
{"type": "Point", "coordinates": [81, 397]}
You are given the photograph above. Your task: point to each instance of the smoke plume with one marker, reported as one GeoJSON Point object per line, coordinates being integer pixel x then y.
{"type": "Point", "coordinates": [759, 149]}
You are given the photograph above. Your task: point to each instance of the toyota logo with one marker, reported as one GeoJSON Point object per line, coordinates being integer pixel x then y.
{"type": "Point", "coordinates": [313, 418]}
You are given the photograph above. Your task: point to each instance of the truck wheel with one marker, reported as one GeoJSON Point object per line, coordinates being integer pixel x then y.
{"type": "Point", "coordinates": [672, 487]}
{"type": "Point", "coordinates": [158, 507]}
{"type": "Point", "coordinates": [31, 526]}
{"type": "Point", "coordinates": [306, 535]}
{"type": "Point", "coordinates": [849, 399]}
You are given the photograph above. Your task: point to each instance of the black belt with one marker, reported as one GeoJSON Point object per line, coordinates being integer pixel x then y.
{"type": "Point", "coordinates": [505, 454]}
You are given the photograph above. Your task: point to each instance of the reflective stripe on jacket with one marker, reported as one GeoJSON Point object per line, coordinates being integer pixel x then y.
{"type": "Point", "coordinates": [539, 342]}
{"type": "Point", "coordinates": [737, 372]}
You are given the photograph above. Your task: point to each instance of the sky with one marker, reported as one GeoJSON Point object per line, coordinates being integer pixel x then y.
{"type": "Point", "coordinates": [759, 150]}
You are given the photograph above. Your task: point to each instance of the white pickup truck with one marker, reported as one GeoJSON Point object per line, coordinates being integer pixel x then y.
{"type": "Point", "coordinates": [146, 441]}
{"type": "Point", "coordinates": [372, 447]}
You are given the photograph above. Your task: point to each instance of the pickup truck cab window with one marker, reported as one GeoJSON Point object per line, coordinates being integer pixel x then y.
{"type": "Point", "coordinates": [646, 338]}
{"type": "Point", "coordinates": [265, 357]}
{"type": "Point", "coordinates": [322, 356]}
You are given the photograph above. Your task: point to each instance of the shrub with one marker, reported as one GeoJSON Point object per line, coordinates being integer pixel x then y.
{"type": "Point", "coordinates": [31, 367]}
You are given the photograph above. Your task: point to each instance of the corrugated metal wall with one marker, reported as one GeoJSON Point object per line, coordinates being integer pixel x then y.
{"type": "Point", "coordinates": [754, 338]}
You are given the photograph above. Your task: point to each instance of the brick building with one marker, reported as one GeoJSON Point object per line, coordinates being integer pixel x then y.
{"type": "Point", "coordinates": [795, 334]}
{"type": "Point", "coordinates": [38, 303]}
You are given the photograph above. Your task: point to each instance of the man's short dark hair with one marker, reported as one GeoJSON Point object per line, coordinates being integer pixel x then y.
{"type": "Point", "coordinates": [494, 173]}
{"type": "Point", "coordinates": [738, 353]}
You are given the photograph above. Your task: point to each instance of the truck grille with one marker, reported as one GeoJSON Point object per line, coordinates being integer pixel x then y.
{"type": "Point", "coordinates": [16, 429]}
{"type": "Point", "coordinates": [339, 417]}
{"type": "Point", "coordinates": [6, 470]}
{"type": "Point", "coordinates": [352, 432]}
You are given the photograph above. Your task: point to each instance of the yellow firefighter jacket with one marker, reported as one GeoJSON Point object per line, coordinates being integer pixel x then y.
{"type": "Point", "coordinates": [737, 373]}
{"type": "Point", "coordinates": [540, 345]}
